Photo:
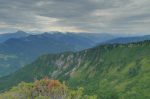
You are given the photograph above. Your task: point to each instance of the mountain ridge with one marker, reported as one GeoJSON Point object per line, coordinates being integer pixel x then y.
{"type": "Point", "coordinates": [114, 66]}
{"type": "Point", "coordinates": [129, 39]}
{"type": "Point", "coordinates": [16, 52]}
{"type": "Point", "coordinates": [4, 37]}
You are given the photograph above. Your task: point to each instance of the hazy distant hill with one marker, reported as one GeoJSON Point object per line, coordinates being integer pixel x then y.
{"type": "Point", "coordinates": [124, 40]}
{"type": "Point", "coordinates": [6, 36]}
{"type": "Point", "coordinates": [117, 71]}
{"type": "Point", "coordinates": [98, 37]}
{"type": "Point", "coordinates": [20, 50]}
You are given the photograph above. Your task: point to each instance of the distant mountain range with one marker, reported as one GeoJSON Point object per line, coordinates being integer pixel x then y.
{"type": "Point", "coordinates": [18, 34]}
{"type": "Point", "coordinates": [22, 48]}
{"type": "Point", "coordinates": [111, 71]}
{"type": "Point", "coordinates": [98, 37]}
{"type": "Point", "coordinates": [123, 40]}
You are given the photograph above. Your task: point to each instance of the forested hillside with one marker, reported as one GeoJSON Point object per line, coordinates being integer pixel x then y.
{"type": "Point", "coordinates": [20, 48]}
{"type": "Point", "coordinates": [117, 71]}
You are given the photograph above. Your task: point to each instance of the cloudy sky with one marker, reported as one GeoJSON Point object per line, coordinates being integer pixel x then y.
{"type": "Point", "coordinates": [111, 16]}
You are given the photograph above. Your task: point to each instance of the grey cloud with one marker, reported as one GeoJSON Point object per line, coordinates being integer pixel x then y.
{"type": "Point", "coordinates": [81, 15]}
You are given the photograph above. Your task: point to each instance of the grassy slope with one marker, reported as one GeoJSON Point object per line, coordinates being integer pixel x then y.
{"type": "Point", "coordinates": [116, 73]}
{"type": "Point", "coordinates": [110, 71]}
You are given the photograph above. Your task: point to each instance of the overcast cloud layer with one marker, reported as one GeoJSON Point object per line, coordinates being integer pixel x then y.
{"type": "Point", "coordinates": [112, 16]}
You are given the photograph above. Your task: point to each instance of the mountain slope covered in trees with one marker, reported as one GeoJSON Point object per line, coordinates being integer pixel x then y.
{"type": "Point", "coordinates": [19, 50]}
{"type": "Point", "coordinates": [117, 71]}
